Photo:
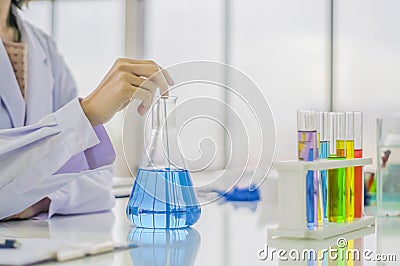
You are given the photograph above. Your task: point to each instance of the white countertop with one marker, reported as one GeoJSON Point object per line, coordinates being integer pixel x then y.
{"type": "Point", "coordinates": [227, 234]}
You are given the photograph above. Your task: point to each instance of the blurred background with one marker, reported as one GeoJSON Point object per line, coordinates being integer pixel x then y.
{"type": "Point", "coordinates": [322, 54]}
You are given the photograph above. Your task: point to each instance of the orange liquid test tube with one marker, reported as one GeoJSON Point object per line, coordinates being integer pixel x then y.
{"type": "Point", "coordinates": [358, 170]}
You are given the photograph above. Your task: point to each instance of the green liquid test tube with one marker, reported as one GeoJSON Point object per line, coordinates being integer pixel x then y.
{"type": "Point", "coordinates": [337, 177]}
{"type": "Point", "coordinates": [349, 170]}
{"type": "Point", "coordinates": [336, 193]}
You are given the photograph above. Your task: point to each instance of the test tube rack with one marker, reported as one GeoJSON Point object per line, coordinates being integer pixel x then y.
{"type": "Point", "coordinates": [292, 201]}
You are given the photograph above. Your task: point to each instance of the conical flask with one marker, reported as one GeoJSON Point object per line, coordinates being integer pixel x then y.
{"type": "Point", "coordinates": [163, 195]}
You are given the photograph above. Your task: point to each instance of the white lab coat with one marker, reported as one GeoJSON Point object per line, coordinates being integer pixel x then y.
{"type": "Point", "coordinates": [41, 138]}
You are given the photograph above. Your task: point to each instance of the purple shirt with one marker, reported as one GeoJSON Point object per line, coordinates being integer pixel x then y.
{"type": "Point", "coordinates": [92, 158]}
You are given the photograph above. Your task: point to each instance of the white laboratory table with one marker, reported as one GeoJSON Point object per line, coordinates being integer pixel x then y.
{"type": "Point", "coordinates": [227, 234]}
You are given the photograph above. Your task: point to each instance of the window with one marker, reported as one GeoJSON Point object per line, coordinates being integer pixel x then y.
{"type": "Point", "coordinates": [90, 34]}
{"type": "Point", "coordinates": [284, 46]}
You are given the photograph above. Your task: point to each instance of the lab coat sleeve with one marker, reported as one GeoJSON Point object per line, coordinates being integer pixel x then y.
{"type": "Point", "coordinates": [29, 156]}
{"type": "Point", "coordinates": [91, 192]}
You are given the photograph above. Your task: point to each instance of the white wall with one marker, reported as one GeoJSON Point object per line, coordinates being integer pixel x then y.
{"type": "Point", "coordinates": [367, 61]}
{"type": "Point", "coordinates": [284, 46]}
{"type": "Point", "coordinates": [178, 31]}
{"type": "Point", "coordinates": [90, 34]}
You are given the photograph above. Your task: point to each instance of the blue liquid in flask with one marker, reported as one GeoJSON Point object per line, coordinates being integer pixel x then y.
{"type": "Point", "coordinates": [163, 198]}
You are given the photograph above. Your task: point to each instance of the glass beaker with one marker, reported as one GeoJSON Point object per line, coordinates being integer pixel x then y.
{"type": "Point", "coordinates": [163, 195]}
{"type": "Point", "coordinates": [388, 165]}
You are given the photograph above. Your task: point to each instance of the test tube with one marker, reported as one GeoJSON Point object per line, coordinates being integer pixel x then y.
{"type": "Point", "coordinates": [331, 133]}
{"type": "Point", "coordinates": [340, 135]}
{"type": "Point", "coordinates": [349, 170]}
{"type": "Point", "coordinates": [323, 154]}
{"type": "Point", "coordinates": [358, 170]}
{"type": "Point", "coordinates": [307, 151]}
{"type": "Point", "coordinates": [319, 196]}
{"type": "Point", "coordinates": [337, 177]}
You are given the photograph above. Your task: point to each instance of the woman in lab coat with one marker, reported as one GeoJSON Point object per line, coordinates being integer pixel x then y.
{"type": "Point", "coordinates": [55, 155]}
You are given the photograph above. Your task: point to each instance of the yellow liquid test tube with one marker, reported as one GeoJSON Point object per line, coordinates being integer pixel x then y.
{"type": "Point", "coordinates": [340, 148]}
{"type": "Point", "coordinates": [320, 208]}
{"type": "Point", "coordinates": [349, 170]}
{"type": "Point", "coordinates": [349, 182]}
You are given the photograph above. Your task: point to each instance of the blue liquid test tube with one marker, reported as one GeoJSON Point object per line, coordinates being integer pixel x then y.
{"type": "Point", "coordinates": [323, 153]}
{"type": "Point", "coordinates": [307, 151]}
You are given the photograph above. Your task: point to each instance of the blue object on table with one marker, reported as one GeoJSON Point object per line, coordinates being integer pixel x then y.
{"type": "Point", "coordinates": [367, 197]}
{"type": "Point", "coordinates": [10, 243]}
{"type": "Point", "coordinates": [243, 194]}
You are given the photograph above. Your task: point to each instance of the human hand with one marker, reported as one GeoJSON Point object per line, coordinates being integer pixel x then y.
{"type": "Point", "coordinates": [127, 78]}
{"type": "Point", "coordinates": [39, 207]}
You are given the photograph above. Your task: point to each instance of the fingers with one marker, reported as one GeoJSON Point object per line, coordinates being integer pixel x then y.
{"type": "Point", "coordinates": [168, 79]}
{"type": "Point", "coordinates": [146, 96]}
{"type": "Point", "coordinates": [142, 83]}
{"type": "Point", "coordinates": [159, 78]}
{"type": "Point", "coordinates": [167, 76]}
{"type": "Point", "coordinates": [143, 78]}
{"type": "Point", "coordinates": [135, 61]}
{"type": "Point", "coordinates": [147, 69]}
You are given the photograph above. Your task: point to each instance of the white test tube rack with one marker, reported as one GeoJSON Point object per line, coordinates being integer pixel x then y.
{"type": "Point", "coordinates": [292, 222]}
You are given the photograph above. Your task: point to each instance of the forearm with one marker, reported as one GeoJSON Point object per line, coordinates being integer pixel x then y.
{"type": "Point", "coordinates": [39, 207]}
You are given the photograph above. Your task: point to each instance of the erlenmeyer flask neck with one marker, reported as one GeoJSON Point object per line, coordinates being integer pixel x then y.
{"type": "Point", "coordinates": [162, 148]}
{"type": "Point", "coordinates": [163, 114]}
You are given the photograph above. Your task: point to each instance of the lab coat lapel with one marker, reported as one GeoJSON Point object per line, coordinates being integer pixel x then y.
{"type": "Point", "coordinates": [9, 90]}
{"type": "Point", "coordinates": [40, 82]}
